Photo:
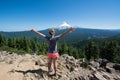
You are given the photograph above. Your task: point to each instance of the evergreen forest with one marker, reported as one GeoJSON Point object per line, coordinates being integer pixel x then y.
{"type": "Point", "coordinates": [105, 48]}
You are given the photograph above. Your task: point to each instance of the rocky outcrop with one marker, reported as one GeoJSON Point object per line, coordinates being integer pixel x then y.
{"type": "Point", "coordinates": [34, 67]}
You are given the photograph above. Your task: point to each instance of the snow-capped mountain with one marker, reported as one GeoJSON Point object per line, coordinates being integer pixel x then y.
{"type": "Point", "coordinates": [64, 25]}
{"type": "Point", "coordinates": [77, 35]}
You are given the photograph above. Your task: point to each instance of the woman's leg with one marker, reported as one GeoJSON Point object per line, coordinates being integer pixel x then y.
{"type": "Point", "coordinates": [49, 64]}
{"type": "Point", "coordinates": [55, 64]}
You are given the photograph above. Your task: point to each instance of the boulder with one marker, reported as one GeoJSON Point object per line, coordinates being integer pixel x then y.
{"type": "Point", "coordinates": [103, 63]}
{"type": "Point", "coordinates": [116, 66]}
{"type": "Point", "coordinates": [94, 64]}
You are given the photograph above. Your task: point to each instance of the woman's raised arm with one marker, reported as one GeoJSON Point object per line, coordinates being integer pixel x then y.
{"type": "Point", "coordinates": [39, 33]}
{"type": "Point", "coordinates": [63, 34]}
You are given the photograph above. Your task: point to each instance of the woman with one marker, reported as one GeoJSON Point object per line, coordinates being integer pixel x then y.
{"type": "Point", "coordinates": [52, 52]}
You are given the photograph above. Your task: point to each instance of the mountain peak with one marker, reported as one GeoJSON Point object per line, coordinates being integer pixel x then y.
{"type": "Point", "coordinates": [64, 25]}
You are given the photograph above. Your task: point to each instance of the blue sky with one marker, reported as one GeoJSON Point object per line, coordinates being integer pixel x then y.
{"type": "Point", "coordinates": [20, 15]}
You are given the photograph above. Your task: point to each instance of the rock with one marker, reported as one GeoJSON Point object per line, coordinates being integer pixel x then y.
{"type": "Point", "coordinates": [107, 76]}
{"type": "Point", "coordinates": [101, 70]}
{"type": "Point", "coordinates": [34, 67]}
{"type": "Point", "coordinates": [103, 63]}
{"type": "Point", "coordinates": [67, 66]}
{"type": "Point", "coordinates": [98, 76]}
{"type": "Point", "coordinates": [92, 68]}
{"type": "Point", "coordinates": [70, 68]}
{"type": "Point", "coordinates": [91, 77]}
{"type": "Point", "coordinates": [110, 70]}
{"type": "Point", "coordinates": [94, 64]}
{"type": "Point", "coordinates": [84, 64]}
{"type": "Point", "coordinates": [116, 66]}
{"type": "Point", "coordinates": [40, 63]}
{"type": "Point", "coordinates": [77, 78]}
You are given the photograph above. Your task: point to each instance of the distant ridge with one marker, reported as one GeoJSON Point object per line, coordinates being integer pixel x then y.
{"type": "Point", "coordinates": [77, 35]}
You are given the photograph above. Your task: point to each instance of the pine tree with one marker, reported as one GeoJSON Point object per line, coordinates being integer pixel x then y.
{"type": "Point", "coordinates": [110, 50]}
{"type": "Point", "coordinates": [91, 51]}
{"type": "Point", "coordinates": [81, 53]}
{"type": "Point", "coordinates": [75, 53]}
{"type": "Point", "coordinates": [10, 42]}
{"type": "Point", "coordinates": [64, 48]}
{"type": "Point", "coordinates": [18, 43]}
{"type": "Point", "coordinates": [3, 40]}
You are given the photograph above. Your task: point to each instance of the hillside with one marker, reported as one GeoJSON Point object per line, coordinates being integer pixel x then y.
{"type": "Point", "coordinates": [34, 67]}
{"type": "Point", "coordinates": [77, 35]}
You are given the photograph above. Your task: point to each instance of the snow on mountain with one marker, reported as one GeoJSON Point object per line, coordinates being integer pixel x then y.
{"type": "Point", "coordinates": [64, 25]}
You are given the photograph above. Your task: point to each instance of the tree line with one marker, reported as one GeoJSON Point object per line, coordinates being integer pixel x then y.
{"type": "Point", "coordinates": [109, 49]}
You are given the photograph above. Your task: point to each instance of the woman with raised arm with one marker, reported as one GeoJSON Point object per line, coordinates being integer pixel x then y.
{"type": "Point", "coordinates": [52, 52]}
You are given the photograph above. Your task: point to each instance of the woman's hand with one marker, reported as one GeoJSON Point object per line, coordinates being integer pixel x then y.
{"type": "Point", "coordinates": [32, 30]}
{"type": "Point", "coordinates": [72, 29]}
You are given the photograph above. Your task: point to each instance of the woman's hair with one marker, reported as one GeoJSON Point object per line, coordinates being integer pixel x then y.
{"type": "Point", "coordinates": [50, 33]}
{"type": "Point", "coordinates": [51, 30]}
